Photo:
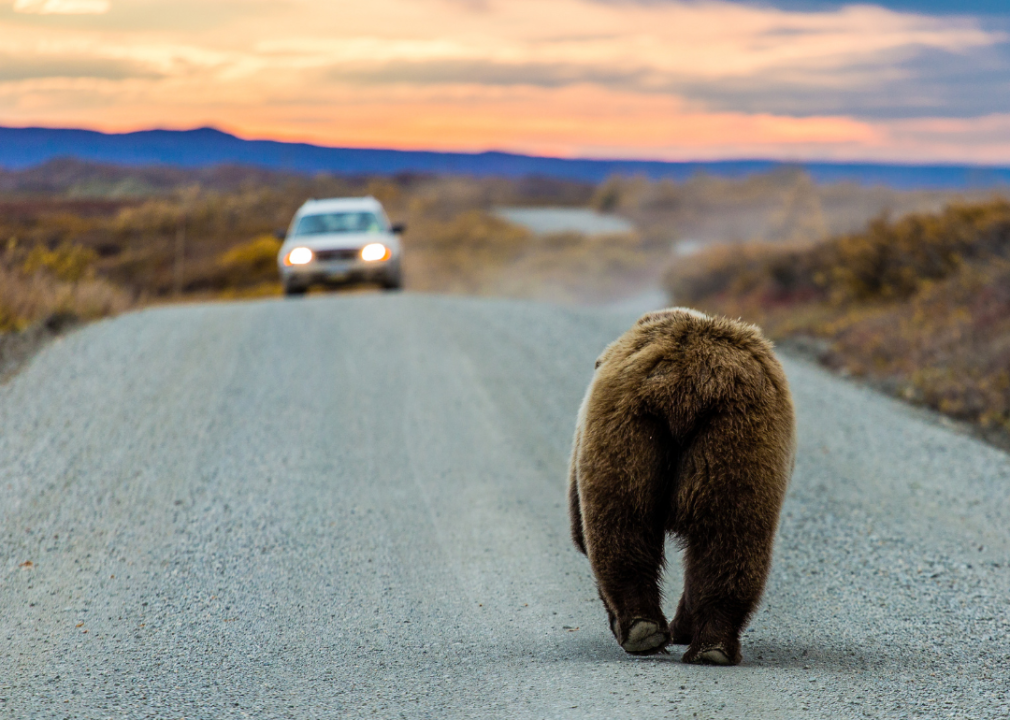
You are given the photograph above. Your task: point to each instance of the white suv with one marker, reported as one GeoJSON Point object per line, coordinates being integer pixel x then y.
{"type": "Point", "coordinates": [340, 240]}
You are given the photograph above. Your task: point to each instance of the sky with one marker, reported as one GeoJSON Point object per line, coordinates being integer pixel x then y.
{"type": "Point", "coordinates": [895, 80]}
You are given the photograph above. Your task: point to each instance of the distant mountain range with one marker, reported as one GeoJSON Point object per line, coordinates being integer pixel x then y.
{"type": "Point", "coordinates": [205, 147]}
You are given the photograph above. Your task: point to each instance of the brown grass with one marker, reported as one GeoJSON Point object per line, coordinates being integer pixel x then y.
{"type": "Point", "coordinates": [29, 298]}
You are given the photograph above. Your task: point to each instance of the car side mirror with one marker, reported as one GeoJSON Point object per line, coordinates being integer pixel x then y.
{"type": "Point", "coordinates": [399, 228]}
{"type": "Point", "coordinates": [280, 234]}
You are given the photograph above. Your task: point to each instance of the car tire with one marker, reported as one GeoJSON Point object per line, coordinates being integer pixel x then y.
{"type": "Point", "coordinates": [294, 290]}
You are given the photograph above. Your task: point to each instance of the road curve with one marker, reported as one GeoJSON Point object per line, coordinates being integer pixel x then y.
{"type": "Point", "coordinates": [353, 506]}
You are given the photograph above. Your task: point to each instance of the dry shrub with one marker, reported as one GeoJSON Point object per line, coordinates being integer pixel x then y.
{"type": "Point", "coordinates": [947, 347]}
{"type": "Point", "coordinates": [895, 260]}
{"type": "Point", "coordinates": [26, 299]}
{"type": "Point", "coordinates": [69, 263]}
{"type": "Point", "coordinates": [888, 261]}
{"type": "Point", "coordinates": [251, 263]}
{"type": "Point", "coordinates": [919, 306]}
{"type": "Point", "coordinates": [772, 271]}
{"type": "Point", "coordinates": [41, 283]}
{"type": "Point", "coordinates": [153, 217]}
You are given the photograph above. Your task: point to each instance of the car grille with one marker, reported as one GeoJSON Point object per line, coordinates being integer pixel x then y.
{"type": "Point", "coordinates": [344, 254]}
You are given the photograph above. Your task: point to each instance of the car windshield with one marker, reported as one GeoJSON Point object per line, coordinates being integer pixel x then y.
{"type": "Point", "coordinates": [339, 222]}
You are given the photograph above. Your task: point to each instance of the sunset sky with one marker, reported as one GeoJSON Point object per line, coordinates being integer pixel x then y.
{"type": "Point", "coordinates": [906, 80]}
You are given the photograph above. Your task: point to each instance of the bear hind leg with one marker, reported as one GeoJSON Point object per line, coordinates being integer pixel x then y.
{"type": "Point", "coordinates": [727, 508]}
{"type": "Point", "coordinates": [623, 501]}
{"type": "Point", "coordinates": [630, 589]}
{"type": "Point", "coordinates": [722, 589]}
{"type": "Point", "coordinates": [682, 626]}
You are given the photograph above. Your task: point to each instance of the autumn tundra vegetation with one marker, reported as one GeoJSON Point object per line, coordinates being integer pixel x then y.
{"type": "Point", "coordinates": [907, 289]}
{"type": "Point", "coordinates": [919, 305]}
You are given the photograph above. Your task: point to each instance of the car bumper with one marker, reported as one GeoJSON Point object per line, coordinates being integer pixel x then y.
{"type": "Point", "coordinates": [339, 271]}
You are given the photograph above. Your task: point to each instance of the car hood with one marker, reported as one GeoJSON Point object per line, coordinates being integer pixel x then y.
{"type": "Point", "coordinates": [335, 241]}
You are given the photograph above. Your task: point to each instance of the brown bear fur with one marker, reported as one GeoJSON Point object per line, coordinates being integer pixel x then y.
{"type": "Point", "coordinates": [686, 428]}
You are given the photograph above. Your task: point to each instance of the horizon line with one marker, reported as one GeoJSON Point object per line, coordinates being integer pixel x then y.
{"type": "Point", "coordinates": [493, 151]}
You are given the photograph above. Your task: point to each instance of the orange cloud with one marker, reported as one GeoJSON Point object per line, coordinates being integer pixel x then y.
{"type": "Point", "coordinates": [572, 122]}
{"type": "Point", "coordinates": [563, 77]}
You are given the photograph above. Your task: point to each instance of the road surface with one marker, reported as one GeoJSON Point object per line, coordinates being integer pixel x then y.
{"type": "Point", "coordinates": [549, 220]}
{"type": "Point", "coordinates": [353, 506]}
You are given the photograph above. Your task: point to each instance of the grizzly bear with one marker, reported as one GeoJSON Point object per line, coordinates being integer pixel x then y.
{"type": "Point", "coordinates": [687, 428]}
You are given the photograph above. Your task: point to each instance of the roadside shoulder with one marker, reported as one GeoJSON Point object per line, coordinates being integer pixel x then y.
{"type": "Point", "coordinates": [810, 351]}
{"type": "Point", "coordinates": [17, 348]}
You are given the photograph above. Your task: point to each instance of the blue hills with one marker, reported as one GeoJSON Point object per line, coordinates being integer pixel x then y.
{"type": "Point", "coordinates": [22, 148]}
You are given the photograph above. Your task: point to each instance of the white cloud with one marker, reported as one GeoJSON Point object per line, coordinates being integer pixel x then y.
{"type": "Point", "coordinates": [62, 7]}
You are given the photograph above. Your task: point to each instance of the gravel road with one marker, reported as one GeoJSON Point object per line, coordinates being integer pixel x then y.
{"type": "Point", "coordinates": [548, 220]}
{"type": "Point", "coordinates": [353, 506]}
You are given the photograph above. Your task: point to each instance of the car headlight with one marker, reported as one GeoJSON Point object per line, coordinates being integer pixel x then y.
{"type": "Point", "coordinates": [299, 256]}
{"type": "Point", "coordinates": [374, 251]}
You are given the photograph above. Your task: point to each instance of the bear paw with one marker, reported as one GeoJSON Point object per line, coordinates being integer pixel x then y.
{"type": "Point", "coordinates": [646, 637]}
{"type": "Point", "coordinates": [712, 655]}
